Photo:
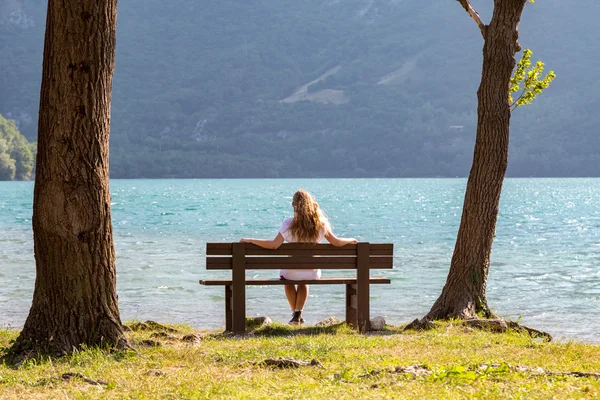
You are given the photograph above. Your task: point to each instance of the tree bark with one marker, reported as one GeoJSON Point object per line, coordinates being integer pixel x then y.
{"type": "Point", "coordinates": [464, 294]}
{"type": "Point", "coordinates": [75, 300]}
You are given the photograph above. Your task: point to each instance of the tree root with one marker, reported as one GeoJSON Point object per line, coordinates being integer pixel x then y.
{"type": "Point", "coordinates": [290, 363]}
{"type": "Point", "coordinates": [499, 325]}
{"type": "Point", "coordinates": [24, 349]}
{"type": "Point", "coordinates": [491, 325]}
{"type": "Point", "coordinates": [423, 324]}
{"type": "Point", "coordinates": [532, 332]}
{"type": "Point", "coordinates": [150, 326]}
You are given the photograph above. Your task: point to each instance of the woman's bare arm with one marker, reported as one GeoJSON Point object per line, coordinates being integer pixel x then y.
{"type": "Point", "coordinates": [336, 241]}
{"type": "Point", "coordinates": [267, 244]}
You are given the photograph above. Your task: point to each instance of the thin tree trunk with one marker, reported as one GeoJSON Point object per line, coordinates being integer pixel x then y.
{"type": "Point", "coordinates": [464, 294]}
{"type": "Point", "coordinates": [75, 299]}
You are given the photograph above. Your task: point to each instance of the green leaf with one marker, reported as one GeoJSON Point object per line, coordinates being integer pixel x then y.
{"type": "Point", "coordinates": [530, 76]}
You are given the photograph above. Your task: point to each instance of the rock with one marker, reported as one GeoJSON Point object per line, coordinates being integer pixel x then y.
{"type": "Point", "coordinates": [262, 321]}
{"type": "Point", "coordinates": [138, 326]}
{"type": "Point", "coordinates": [485, 367]}
{"type": "Point", "coordinates": [329, 321]}
{"type": "Point", "coordinates": [164, 335]}
{"type": "Point", "coordinates": [160, 327]}
{"type": "Point", "coordinates": [150, 343]}
{"type": "Point", "coordinates": [377, 324]}
{"type": "Point", "coordinates": [415, 370]}
{"type": "Point", "coordinates": [258, 322]}
{"type": "Point", "coordinates": [192, 338]}
{"type": "Point", "coordinates": [371, 373]}
{"type": "Point", "coordinates": [154, 372]}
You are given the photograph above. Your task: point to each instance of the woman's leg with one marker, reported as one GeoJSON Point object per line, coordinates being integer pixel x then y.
{"type": "Point", "coordinates": [301, 297]}
{"type": "Point", "coordinates": [291, 295]}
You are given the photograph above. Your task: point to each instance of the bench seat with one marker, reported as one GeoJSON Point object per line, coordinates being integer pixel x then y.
{"type": "Point", "coordinates": [277, 281]}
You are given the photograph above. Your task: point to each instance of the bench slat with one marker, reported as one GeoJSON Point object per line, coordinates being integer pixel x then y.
{"type": "Point", "coordinates": [298, 260]}
{"type": "Point", "coordinates": [225, 263]}
{"type": "Point", "coordinates": [275, 281]}
{"type": "Point", "coordinates": [225, 249]}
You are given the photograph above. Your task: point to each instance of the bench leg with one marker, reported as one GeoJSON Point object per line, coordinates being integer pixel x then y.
{"type": "Point", "coordinates": [351, 311]}
{"type": "Point", "coordinates": [228, 308]}
{"type": "Point", "coordinates": [362, 286]}
{"type": "Point", "coordinates": [238, 308]}
{"type": "Point", "coordinates": [238, 288]}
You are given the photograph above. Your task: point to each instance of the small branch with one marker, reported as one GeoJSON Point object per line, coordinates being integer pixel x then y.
{"type": "Point", "coordinates": [290, 363]}
{"type": "Point", "coordinates": [514, 104]}
{"type": "Point", "coordinates": [473, 13]}
{"type": "Point", "coordinates": [541, 371]}
{"type": "Point", "coordinates": [67, 376]}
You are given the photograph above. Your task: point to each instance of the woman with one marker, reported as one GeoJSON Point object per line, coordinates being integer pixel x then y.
{"type": "Point", "coordinates": [309, 225]}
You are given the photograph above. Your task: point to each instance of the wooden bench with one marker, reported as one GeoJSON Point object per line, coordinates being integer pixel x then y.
{"type": "Point", "coordinates": [239, 257]}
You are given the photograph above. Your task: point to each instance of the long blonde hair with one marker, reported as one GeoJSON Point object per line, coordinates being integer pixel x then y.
{"type": "Point", "coordinates": [308, 218]}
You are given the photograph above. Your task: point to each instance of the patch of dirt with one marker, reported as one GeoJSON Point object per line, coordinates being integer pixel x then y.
{"type": "Point", "coordinates": [324, 96]}
{"type": "Point", "coordinates": [399, 75]}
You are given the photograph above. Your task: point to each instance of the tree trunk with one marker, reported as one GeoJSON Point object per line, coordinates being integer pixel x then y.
{"type": "Point", "coordinates": [464, 294]}
{"type": "Point", "coordinates": [75, 300]}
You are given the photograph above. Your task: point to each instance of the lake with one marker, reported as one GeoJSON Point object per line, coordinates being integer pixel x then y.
{"type": "Point", "coordinates": [545, 267]}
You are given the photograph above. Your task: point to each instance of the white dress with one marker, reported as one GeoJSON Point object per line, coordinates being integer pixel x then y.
{"type": "Point", "coordinates": [297, 274]}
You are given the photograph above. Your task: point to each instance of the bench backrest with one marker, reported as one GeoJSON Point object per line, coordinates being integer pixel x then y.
{"type": "Point", "coordinates": [220, 256]}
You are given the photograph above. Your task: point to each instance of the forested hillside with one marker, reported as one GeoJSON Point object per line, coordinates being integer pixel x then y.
{"type": "Point", "coordinates": [16, 153]}
{"type": "Point", "coordinates": [284, 88]}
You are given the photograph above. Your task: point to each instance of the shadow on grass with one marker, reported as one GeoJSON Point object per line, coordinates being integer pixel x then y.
{"type": "Point", "coordinates": [282, 330]}
{"type": "Point", "coordinates": [17, 354]}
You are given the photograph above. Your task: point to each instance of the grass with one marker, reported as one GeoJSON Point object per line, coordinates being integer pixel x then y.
{"type": "Point", "coordinates": [354, 366]}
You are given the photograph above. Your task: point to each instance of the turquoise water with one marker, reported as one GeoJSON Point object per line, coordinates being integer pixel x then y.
{"type": "Point", "coordinates": [545, 263]}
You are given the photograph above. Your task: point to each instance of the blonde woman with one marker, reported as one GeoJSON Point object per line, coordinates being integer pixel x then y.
{"type": "Point", "coordinates": [308, 225]}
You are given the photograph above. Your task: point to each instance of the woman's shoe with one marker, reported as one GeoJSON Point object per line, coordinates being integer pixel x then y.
{"type": "Point", "coordinates": [296, 318]}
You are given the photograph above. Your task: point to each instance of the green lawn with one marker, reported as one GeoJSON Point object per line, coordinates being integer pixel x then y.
{"type": "Point", "coordinates": [451, 363]}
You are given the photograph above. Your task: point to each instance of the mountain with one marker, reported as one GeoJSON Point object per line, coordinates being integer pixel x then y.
{"type": "Point", "coordinates": [282, 88]}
